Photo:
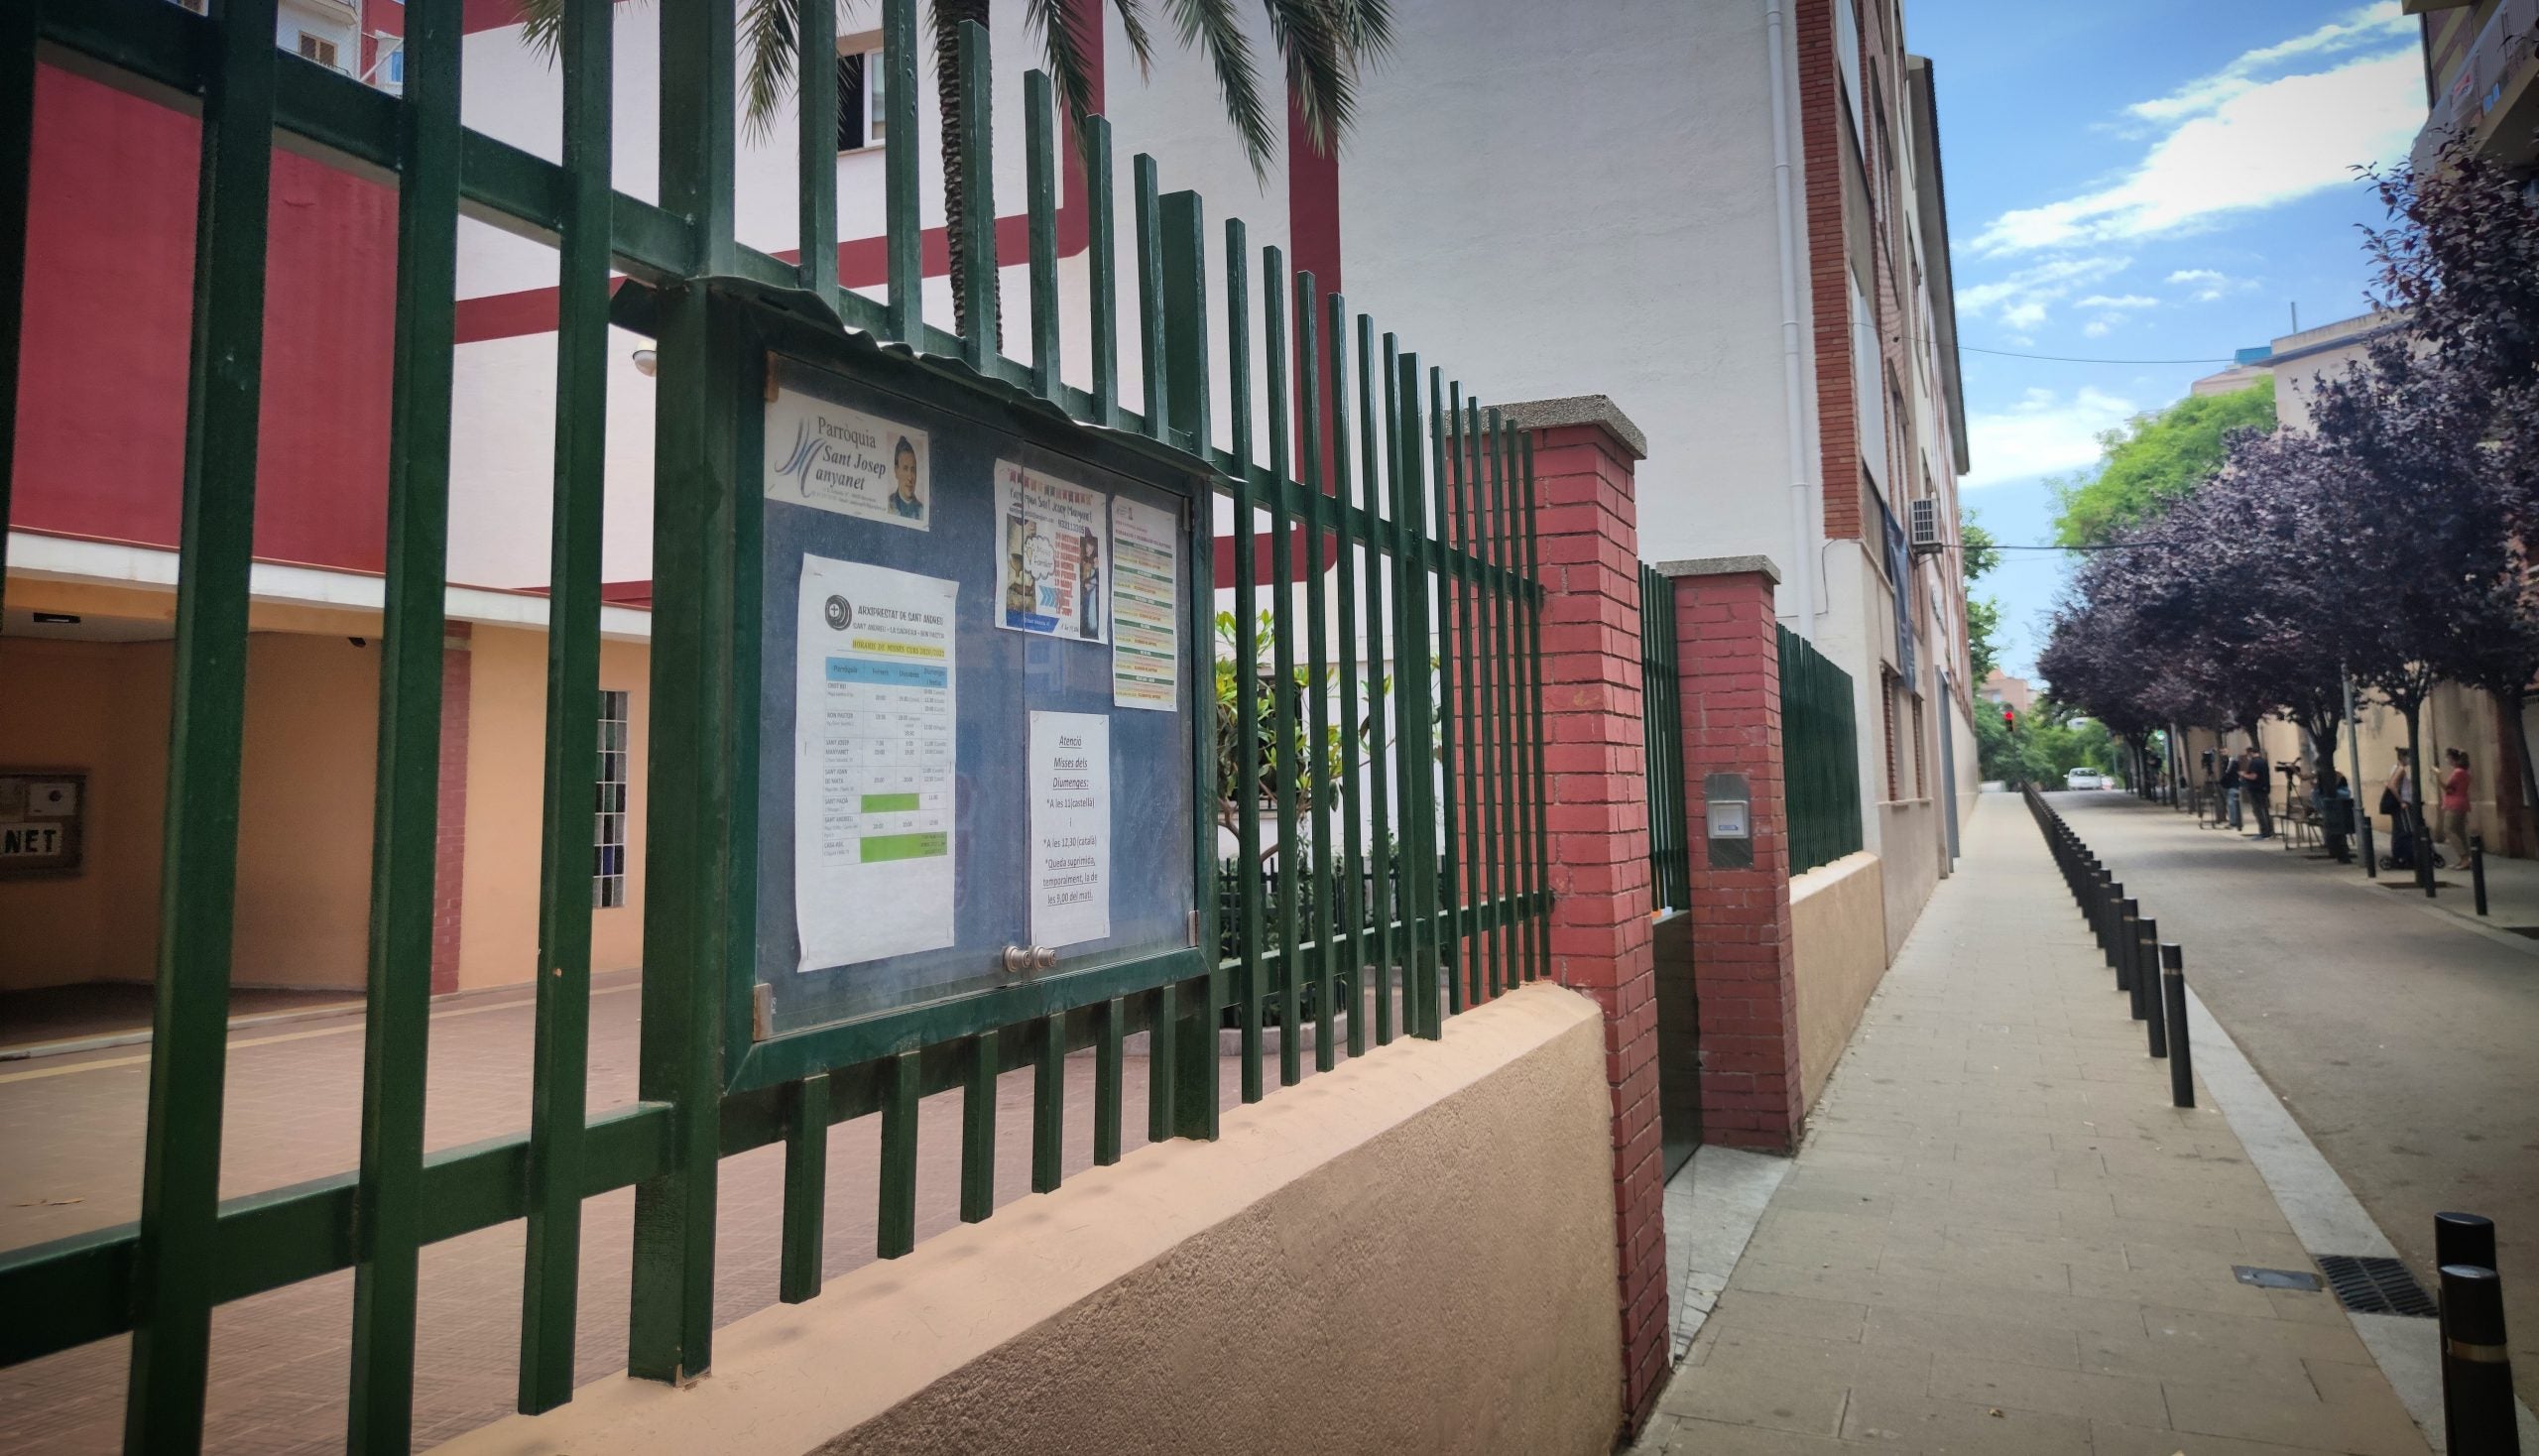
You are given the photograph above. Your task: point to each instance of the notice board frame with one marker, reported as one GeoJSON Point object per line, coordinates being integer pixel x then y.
{"type": "Point", "coordinates": [748, 326]}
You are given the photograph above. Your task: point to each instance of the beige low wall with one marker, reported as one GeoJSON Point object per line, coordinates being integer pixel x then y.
{"type": "Point", "coordinates": [1908, 852]}
{"type": "Point", "coordinates": [1838, 952]}
{"type": "Point", "coordinates": [1414, 1253]}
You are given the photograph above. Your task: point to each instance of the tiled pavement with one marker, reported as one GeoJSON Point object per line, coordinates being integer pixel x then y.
{"type": "Point", "coordinates": [1999, 1237]}
{"type": "Point", "coordinates": [70, 1161]}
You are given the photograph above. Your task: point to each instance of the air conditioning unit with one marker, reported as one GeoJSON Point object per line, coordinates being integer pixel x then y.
{"type": "Point", "coordinates": [1924, 531]}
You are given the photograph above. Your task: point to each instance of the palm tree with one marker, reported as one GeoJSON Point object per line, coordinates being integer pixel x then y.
{"type": "Point", "coordinates": [1322, 43]}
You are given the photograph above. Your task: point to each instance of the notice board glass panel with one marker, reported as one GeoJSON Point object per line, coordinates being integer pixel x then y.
{"type": "Point", "coordinates": [977, 681]}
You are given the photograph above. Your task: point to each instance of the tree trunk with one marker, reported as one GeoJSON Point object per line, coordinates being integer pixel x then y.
{"type": "Point", "coordinates": [2514, 707]}
{"type": "Point", "coordinates": [948, 16]}
{"type": "Point", "coordinates": [2413, 707]}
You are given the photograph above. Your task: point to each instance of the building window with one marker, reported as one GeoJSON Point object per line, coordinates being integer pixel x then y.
{"type": "Point", "coordinates": [392, 67]}
{"type": "Point", "coordinates": [859, 100]}
{"type": "Point", "coordinates": [608, 867]}
{"type": "Point", "coordinates": [1922, 766]}
{"type": "Point", "coordinates": [320, 51]}
{"type": "Point", "coordinates": [1886, 690]}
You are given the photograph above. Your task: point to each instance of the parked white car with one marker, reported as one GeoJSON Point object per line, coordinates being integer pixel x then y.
{"type": "Point", "coordinates": [2084, 778]}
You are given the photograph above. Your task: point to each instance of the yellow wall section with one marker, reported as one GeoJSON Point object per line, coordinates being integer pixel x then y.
{"type": "Point", "coordinates": [304, 801]}
{"type": "Point", "coordinates": [506, 778]}
{"type": "Point", "coordinates": [1838, 954]}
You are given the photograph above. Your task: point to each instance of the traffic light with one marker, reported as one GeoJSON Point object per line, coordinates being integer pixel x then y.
{"type": "Point", "coordinates": [2009, 719]}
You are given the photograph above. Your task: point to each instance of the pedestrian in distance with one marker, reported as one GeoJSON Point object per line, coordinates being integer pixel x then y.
{"type": "Point", "coordinates": [2336, 801]}
{"type": "Point", "coordinates": [2454, 830]}
{"type": "Point", "coordinates": [2230, 786]}
{"type": "Point", "coordinates": [2257, 789]}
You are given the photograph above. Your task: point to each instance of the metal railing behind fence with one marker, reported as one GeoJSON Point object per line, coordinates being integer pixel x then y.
{"type": "Point", "coordinates": [1670, 862]}
{"type": "Point", "coordinates": [1820, 756]}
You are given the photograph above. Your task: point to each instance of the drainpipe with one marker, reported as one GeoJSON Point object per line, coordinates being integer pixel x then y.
{"type": "Point", "coordinates": [1802, 556]}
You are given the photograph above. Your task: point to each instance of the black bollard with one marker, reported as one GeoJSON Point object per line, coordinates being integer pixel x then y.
{"type": "Point", "coordinates": [2370, 857]}
{"type": "Point", "coordinates": [2464, 1238]}
{"type": "Point", "coordinates": [2476, 1368]}
{"type": "Point", "coordinates": [2147, 974]}
{"type": "Point", "coordinates": [2129, 931]}
{"type": "Point", "coordinates": [2112, 902]}
{"type": "Point", "coordinates": [2153, 1004]}
{"type": "Point", "coordinates": [2424, 852]}
{"type": "Point", "coordinates": [2181, 1048]}
{"type": "Point", "coordinates": [2477, 870]}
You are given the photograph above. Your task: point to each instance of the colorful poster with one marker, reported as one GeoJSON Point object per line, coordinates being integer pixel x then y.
{"type": "Point", "coordinates": [1145, 606]}
{"type": "Point", "coordinates": [872, 764]}
{"type": "Point", "coordinates": [1070, 775]}
{"type": "Point", "coordinates": [833, 459]}
{"type": "Point", "coordinates": [1051, 555]}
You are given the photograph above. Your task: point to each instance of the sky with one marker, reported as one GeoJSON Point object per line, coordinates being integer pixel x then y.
{"type": "Point", "coordinates": [2159, 181]}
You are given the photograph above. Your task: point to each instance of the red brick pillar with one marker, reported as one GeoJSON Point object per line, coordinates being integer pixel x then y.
{"type": "Point", "coordinates": [1588, 540]}
{"type": "Point", "coordinates": [450, 850]}
{"type": "Point", "coordinates": [1730, 685]}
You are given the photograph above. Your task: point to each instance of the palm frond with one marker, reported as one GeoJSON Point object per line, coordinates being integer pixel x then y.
{"type": "Point", "coordinates": [1132, 24]}
{"type": "Point", "coordinates": [767, 29]}
{"type": "Point", "coordinates": [1324, 44]}
{"type": "Point", "coordinates": [541, 27]}
{"type": "Point", "coordinates": [1210, 25]}
{"type": "Point", "coordinates": [1065, 50]}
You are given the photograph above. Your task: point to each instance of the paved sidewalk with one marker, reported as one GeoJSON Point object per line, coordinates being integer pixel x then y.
{"type": "Point", "coordinates": [1999, 1237]}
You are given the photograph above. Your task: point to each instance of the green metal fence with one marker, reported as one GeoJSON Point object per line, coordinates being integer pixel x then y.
{"type": "Point", "coordinates": [1417, 504]}
{"type": "Point", "coordinates": [1820, 756]}
{"type": "Point", "coordinates": [1670, 861]}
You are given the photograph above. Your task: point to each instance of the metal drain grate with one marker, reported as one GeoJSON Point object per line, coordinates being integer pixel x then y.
{"type": "Point", "coordinates": [2375, 1286]}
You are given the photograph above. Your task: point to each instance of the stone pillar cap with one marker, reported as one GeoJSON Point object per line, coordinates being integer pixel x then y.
{"type": "Point", "coordinates": [1721, 567]}
{"type": "Point", "coordinates": [1597, 410]}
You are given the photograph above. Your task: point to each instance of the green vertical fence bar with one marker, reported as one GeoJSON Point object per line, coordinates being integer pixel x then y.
{"type": "Point", "coordinates": [1276, 364]}
{"type": "Point", "coordinates": [1488, 537]}
{"type": "Point", "coordinates": [175, 1253]}
{"type": "Point", "coordinates": [894, 1216]}
{"type": "Point", "coordinates": [552, 1275]}
{"type": "Point", "coordinates": [404, 820]}
{"type": "Point", "coordinates": [17, 148]}
{"type": "Point", "coordinates": [1472, 461]}
{"type": "Point", "coordinates": [1454, 676]}
{"type": "Point", "coordinates": [670, 1306]}
{"type": "Point", "coordinates": [1499, 542]}
{"type": "Point", "coordinates": [1183, 276]}
{"type": "Point", "coordinates": [978, 285]}
{"type": "Point", "coordinates": [901, 235]}
{"type": "Point", "coordinates": [1383, 720]}
{"type": "Point", "coordinates": [806, 1188]}
{"type": "Point", "coordinates": [978, 1124]}
{"type": "Point", "coordinates": [1160, 1055]}
{"type": "Point", "coordinates": [1041, 185]}
{"type": "Point", "coordinates": [1152, 365]}
{"type": "Point", "coordinates": [1529, 765]}
{"type": "Point", "coordinates": [1250, 983]}
{"type": "Point", "coordinates": [1424, 820]}
{"type": "Point", "coordinates": [1102, 270]}
{"type": "Point", "coordinates": [1108, 1054]}
{"type": "Point", "coordinates": [1048, 1106]}
{"type": "Point", "coordinates": [1411, 658]}
{"type": "Point", "coordinates": [1353, 804]}
{"type": "Point", "coordinates": [815, 144]}
{"type": "Point", "coordinates": [1326, 959]}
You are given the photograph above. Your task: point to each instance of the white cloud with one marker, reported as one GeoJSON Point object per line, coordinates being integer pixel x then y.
{"type": "Point", "coordinates": [2044, 434]}
{"type": "Point", "coordinates": [2208, 284]}
{"type": "Point", "coordinates": [2376, 23]}
{"type": "Point", "coordinates": [2097, 328]}
{"type": "Point", "coordinates": [2232, 142]}
{"type": "Point", "coordinates": [2119, 302]}
{"type": "Point", "coordinates": [2020, 299]}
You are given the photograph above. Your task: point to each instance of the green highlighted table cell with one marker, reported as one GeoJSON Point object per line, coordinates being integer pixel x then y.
{"type": "Point", "coordinates": [889, 803]}
{"type": "Point", "coordinates": [880, 847]}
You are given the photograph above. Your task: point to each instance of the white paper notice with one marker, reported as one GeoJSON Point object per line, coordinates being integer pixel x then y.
{"type": "Point", "coordinates": [1070, 828]}
{"type": "Point", "coordinates": [1145, 609]}
{"type": "Point", "coordinates": [873, 760]}
{"type": "Point", "coordinates": [833, 459]}
{"type": "Point", "coordinates": [1050, 554]}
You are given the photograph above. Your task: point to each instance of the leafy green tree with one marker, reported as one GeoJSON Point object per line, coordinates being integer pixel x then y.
{"type": "Point", "coordinates": [1321, 46]}
{"type": "Point", "coordinates": [1977, 553]}
{"type": "Point", "coordinates": [2155, 458]}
